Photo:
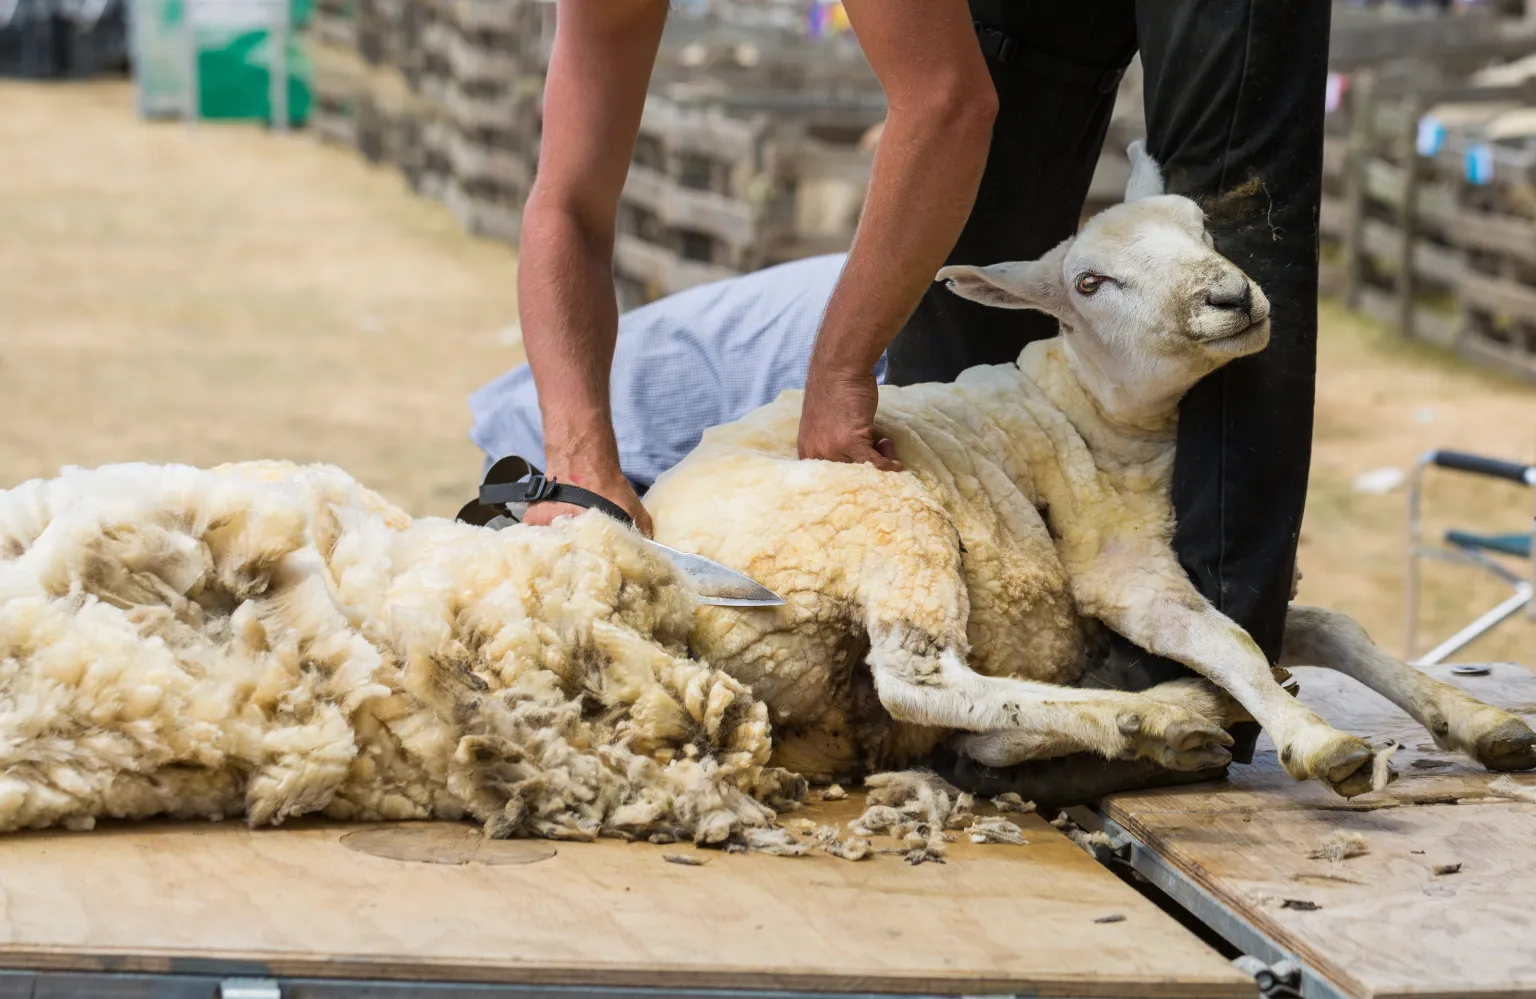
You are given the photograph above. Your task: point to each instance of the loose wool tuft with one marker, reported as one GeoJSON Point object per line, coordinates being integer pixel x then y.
{"type": "Point", "coordinates": [267, 641]}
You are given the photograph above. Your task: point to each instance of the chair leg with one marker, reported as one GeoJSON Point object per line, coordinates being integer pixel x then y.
{"type": "Point", "coordinates": [1530, 610]}
{"type": "Point", "coordinates": [1411, 577]}
{"type": "Point", "coordinates": [1522, 597]}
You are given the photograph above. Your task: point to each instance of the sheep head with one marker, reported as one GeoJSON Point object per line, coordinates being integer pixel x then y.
{"type": "Point", "coordinates": [1147, 305]}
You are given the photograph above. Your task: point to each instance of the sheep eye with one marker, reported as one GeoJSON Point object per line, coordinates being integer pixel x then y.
{"type": "Point", "coordinates": [1088, 283]}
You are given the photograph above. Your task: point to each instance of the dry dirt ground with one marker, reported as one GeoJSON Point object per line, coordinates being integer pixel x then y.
{"type": "Point", "coordinates": [218, 293]}
{"type": "Point", "coordinates": [209, 294]}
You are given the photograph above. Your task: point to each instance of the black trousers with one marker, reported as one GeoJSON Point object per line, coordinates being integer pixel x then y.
{"type": "Point", "coordinates": [1234, 108]}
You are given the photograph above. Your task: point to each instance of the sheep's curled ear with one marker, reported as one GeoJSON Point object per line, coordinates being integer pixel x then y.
{"type": "Point", "coordinates": [1146, 176]}
{"type": "Point", "coordinates": [1029, 284]}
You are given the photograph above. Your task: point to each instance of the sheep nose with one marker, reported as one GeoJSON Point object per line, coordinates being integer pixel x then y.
{"type": "Point", "coordinates": [1233, 296]}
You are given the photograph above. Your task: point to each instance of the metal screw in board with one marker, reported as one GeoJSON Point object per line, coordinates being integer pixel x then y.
{"type": "Point", "coordinates": [1470, 669]}
{"type": "Point", "coordinates": [249, 988]}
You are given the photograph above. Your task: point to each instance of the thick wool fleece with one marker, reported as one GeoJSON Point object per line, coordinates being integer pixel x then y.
{"type": "Point", "coordinates": [268, 641]}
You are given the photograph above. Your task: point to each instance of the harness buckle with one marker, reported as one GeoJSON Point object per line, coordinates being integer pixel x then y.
{"type": "Point", "coordinates": [539, 487]}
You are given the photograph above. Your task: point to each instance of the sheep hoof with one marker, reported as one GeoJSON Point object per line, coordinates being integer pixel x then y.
{"type": "Point", "coordinates": [1356, 782]}
{"type": "Point", "coordinates": [1185, 761]}
{"type": "Point", "coordinates": [1186, 741]}
{"type": "Point", "coordinates": [1342, 761]}
{"type": "Point", "coordinates": [1510, 746]}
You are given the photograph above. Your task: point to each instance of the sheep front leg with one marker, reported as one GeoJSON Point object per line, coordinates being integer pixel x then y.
{"type": "Point", "coordinates": [1179, 624]}
{"type": "Point", "coordinates": [925, 682]}
{"type": "Point", "coordinates": [1458, 721]}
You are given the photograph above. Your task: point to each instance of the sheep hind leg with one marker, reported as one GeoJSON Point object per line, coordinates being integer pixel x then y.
{"type": "Point", "coordinates": [922, 681]}
{"type": "Point", "coordinates": [1458, 721]}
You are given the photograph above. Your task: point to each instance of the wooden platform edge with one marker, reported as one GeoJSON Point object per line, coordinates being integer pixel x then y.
{"type": "Point", "coordinates": [801, 981]}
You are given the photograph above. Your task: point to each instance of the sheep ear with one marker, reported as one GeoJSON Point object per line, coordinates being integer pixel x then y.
{"type": "Point", "coordinates": [1030, 284]}
{"type": "Point", "coordinates": [1146, 176]}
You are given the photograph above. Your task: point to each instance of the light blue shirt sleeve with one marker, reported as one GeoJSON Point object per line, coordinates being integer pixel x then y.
{"type": "Point", "coordinates": [681, 365]}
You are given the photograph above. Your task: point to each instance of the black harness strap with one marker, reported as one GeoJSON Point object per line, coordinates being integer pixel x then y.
{"type": "Point", "coordinates": [1009, 51]}
{"type": "Point", "coordinates": [539, 489]}
{"type": "Point", "coordinates": [515, 480]}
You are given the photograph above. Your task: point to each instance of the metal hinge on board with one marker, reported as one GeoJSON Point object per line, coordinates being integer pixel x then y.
{"type": "Point", "coordinates": [1116, 855]}
{"type": "Point", "coordinates": [250, 988]}
{"type": "Point", "coordinates": [1281, 980]}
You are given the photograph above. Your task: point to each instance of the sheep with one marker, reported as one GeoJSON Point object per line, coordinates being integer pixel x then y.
{"type": "Point", "coordinates": [963, 597]}
{"type": "Point", "coordinates": [267, 641]}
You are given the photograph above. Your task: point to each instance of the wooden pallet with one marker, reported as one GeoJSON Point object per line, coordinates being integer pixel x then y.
{"type": "Point", "coordinates": [481, 212]}
{"type": "Point", "coordinates": [1498, 286]}
{"type": "Point", "coordinates": [1389, 216]}
{"type": "Point", "coordinates": [1385, 925]}
{"type": "Point", "coordinates": [685, 197]}
{"type": "Point", "coordinates": [720, 186]}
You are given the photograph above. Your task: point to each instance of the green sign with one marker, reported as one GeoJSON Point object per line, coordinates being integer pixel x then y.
{"type": "Point", "coordinates": [227, 54]}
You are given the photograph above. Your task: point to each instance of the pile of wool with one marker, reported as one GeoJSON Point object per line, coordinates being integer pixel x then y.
{"type": "Point", "coordinates": [265, 640]}
{"type": "Point", "coordinates": [915, 807]}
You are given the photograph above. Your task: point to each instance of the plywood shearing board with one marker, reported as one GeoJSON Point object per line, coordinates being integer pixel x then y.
{"type": "Point", "coordinates": [298, 902]}
{"type": "Point", "coordinates": [1385, 924]}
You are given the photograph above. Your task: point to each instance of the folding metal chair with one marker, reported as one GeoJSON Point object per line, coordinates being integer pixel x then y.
{"type": "Point", "coordinates": [1468, 548]}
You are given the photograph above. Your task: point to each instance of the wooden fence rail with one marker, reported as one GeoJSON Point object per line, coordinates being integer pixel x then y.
{"type": "Point", "coordinates": [1429, 215]}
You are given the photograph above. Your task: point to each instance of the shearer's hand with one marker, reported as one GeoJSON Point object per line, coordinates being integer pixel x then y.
{"type": "Point", "coordinates": [610, 484]}
{"type": "Point", "coordinates": [837, 420]}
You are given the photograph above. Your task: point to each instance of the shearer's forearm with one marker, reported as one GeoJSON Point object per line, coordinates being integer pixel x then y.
{"type": "Point", "coordinates": [926, 172]}
{"type": "Point", "coordinates": [594, 95]}
{"type": "Point", "coordinates": [570, 323]}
